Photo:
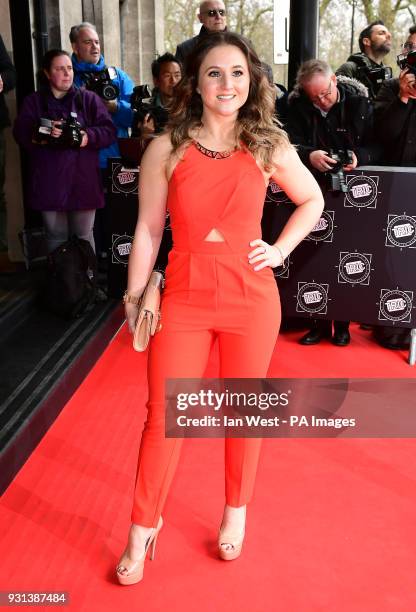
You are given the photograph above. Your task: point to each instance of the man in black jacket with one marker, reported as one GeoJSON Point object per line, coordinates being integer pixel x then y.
{"type": "Point", "coordinates": [395, 110]}
{"type": "Point", "coordinates": [212, 15]}
{"type": "Point", "coordinates": [395, 117]}
{"type": "Point", "coordinates": [167, 73]}
{"type": "Point", "coordinates": [7, 82]}
{"type": "Point", "coordinates": [329, 113]}
{"type": "Point", "coordinates": [367, 66]}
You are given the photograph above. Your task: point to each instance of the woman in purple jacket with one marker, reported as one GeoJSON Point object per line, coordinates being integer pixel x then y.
{"type": "Point", "coordinates": [64, 177]}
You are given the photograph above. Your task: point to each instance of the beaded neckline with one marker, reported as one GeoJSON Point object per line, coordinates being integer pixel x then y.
{"type": "Point", "coordinates": [214, 154]}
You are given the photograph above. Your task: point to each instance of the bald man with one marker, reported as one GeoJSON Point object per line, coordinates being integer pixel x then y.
{"type": "Point", "coordinates": [212, 15]}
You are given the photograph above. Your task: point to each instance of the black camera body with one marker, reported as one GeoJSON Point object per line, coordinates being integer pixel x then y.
{"type": "Point", "coordinates": [407, 60]}
{"type": "Point", "coordinates": [101, 83]}
{"type": "Point", "coordinates": [335, 178]}
{"type": "Point", "coordinates": [70, 138]}
{"type": "Point", "coordinates": [376, 74]}
{"type": "Point", "coordinates": [144, 103]}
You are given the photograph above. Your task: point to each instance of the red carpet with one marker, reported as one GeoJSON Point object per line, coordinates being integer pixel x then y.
{"type": "Point", "coordinates": [332, 526]}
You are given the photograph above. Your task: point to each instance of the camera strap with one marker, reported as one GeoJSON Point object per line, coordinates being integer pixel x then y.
{"type": "Point", "coordinates": [370, 73]}
{"type": "Point", "coordinates": [362, 61]}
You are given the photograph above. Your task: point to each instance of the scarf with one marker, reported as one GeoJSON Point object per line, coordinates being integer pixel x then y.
{"type": "Point", "coordinates": [86, 66]}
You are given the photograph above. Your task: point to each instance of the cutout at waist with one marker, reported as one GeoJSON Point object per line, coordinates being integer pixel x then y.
{"type": "Point", "coordinates": [214, 235]}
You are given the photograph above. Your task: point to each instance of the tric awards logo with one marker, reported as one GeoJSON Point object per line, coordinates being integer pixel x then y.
{"type": "Point", "coordinates": [324, 229]}
{"type": "Point", "coordinates": [124, 180]}
{"type": "Point", "coordinates": [275, 194]}
{"type": "Point", "coordinates": [354, 268]}
{"type": "Point", "coordinates": [312, 298]}
{"type": "Point", "coordinates": [401, 231]}
{"type": "Point", "coordinates": [362, 191]}
{"type": "Point", "coordinates": [121, 247]}
{"type": "Point", "coordinates": [395, 305]}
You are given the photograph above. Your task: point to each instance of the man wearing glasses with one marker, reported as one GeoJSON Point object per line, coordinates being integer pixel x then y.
{"type": "Point", "coordinates": [395, 116]}
{"type": "Point", "coordinates": [327, 113]}
{"type": "Point", "coordinates": [367, 66]}
{"type": "Point", "coordinates": [212, 15]}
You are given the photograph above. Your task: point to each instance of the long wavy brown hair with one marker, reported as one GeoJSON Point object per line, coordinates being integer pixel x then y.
{"type": "Point", "coordinates": [257, 128]}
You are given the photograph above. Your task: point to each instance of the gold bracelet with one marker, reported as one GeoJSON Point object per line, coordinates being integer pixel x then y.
{"type": "Point", "coordinates": [132, 299]}
{"type": "Point", "coordinates": [279, 250]}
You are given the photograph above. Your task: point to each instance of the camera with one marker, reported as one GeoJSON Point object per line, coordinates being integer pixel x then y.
{"type": "Point", "coordinates": [144, 103]}
{"type": "Point", "coordinates": [407, 60]}
{"type": "Point", "coordinates": [101, 83]}
{"type": "Point", "coordinates": [335, 178]}
{"type": "Point", "coordinates": [376, 74]}
{"type": "Point", "coordinates": [70, 138]}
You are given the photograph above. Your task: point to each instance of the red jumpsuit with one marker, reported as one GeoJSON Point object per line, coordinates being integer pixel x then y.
{"type": "Point", "coordinates": [211, 292]}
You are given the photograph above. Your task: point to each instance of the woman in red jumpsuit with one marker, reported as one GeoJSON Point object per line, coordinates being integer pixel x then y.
{"type": "Point", "coordinates": [211, 169]}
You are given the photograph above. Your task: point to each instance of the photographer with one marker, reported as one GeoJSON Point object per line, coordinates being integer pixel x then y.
{"type": "Point", "coordinates": [213, 16]}
{"type": "Point", "coordinates": [62, 130]}
{"type": "Point", "coordinates": [395, 109]}
{"type": "Point", "coordinates": [395, 116]}
{"type": "Point", "coordinates": [328, 113]}
{"type": "Point", "coordinates": [114, 87]}
{"type": "Point", "coordinates": [367, 66]}
{"type": "Point", "coordinates": [150, 114]}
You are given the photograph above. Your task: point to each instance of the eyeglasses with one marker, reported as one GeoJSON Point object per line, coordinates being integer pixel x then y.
{"type": "Point", "coordinates": [326, 94]}
{"type": "Point", "coordinates": [214, 12]}
{"type": "Point", "coordinates": [408, 46]}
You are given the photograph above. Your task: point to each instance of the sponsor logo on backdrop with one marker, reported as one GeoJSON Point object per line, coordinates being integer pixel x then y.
{"type": "Point", "coordinates": [124, 180]}
{"type": "Point", "coordinates": [275, 194]}
{"type": "Point", "coordinates": [362, 191]}
{"type": "Point", "coordinates": [312, 298]}
{"type": "Point", "coordinates": [282, 271]}
{"type": "Point", "coordinates": [354, 268]}
{"type": "Point", "coordinates": [324, 229]}
{"type": "Point", "coordinates": [121, 247]}
{"type": "Point", "coordinates": [401, 231]}
{"type": "Point", "coordinates": [395, 305]}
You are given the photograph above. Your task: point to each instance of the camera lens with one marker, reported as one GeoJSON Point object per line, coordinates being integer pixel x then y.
{"type": "Point", "coordinates": [109, 92]}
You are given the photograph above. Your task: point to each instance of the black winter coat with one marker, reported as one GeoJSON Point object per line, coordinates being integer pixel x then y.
{"type": "Point", "coordinates": [8, 74]}
{"type": "Point", "coordinates": [183, 50]}
{"type": "Point", "coordinates": [396, 125]}
{"type": "Point", "coordinates": [356, 67]}
{"type": "Point", "coordinates": [348, 124]}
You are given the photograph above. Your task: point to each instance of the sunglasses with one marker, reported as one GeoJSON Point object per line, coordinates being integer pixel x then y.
{"type": "Point", "coordinates": [214, 12]}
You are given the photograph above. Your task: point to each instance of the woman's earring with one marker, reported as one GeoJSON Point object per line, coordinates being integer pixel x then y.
{"type": "Point", "coordinates": [198, 91]}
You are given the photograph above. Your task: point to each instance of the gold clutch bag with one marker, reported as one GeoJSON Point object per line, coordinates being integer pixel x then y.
{"type": "Point", "coordinates": [148, 320]}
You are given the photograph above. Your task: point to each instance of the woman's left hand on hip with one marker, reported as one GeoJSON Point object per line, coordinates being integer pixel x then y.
{"type": "Point", "coordinates": [265, 254]}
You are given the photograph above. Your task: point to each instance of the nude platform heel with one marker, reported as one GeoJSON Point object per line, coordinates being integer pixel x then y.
{"type": "Point", "coordinates": [135, 572]}
{"type": "Point", "coordinates": [233, 539]}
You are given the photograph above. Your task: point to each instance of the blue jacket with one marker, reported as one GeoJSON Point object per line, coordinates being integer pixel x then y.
{"type": "Point", "coordinates": [122, 119]}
